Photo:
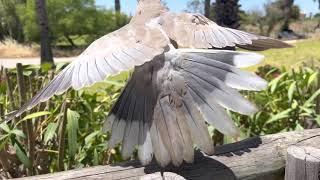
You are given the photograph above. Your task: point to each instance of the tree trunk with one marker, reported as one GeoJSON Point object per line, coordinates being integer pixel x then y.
{"type": "Point", "coordinates": [227, 13]}
{"type": "Point", "coordinates": [46, 52]}
{"type": "Point", "coordinates": [287, 7]}
{"type": "Point", "coordinates": [207, 8]}
{"type": "Point", "coordinates": [117, 5]}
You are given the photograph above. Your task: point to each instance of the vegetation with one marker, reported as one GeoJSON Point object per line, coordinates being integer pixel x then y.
{"type": "Point", "coordinates": [66, 132]}
{"type": "Point", "coordinates": [64, 17]}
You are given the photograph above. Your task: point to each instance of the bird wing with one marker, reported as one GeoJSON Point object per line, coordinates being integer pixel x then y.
{"type": "Point", "coordinates": [119, 51]}
{"type": "Point", "coordinates": [196, 31]}
{"type": "Point", "coordinates": [167, 102]}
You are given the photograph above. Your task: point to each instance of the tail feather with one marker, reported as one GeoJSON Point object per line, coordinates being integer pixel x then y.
{"type": "Point", "coordinates": [170, 126]}
{"type": "Point", "coordinates": [119, 114]}
{"type": "Point", "coordinates": [230, 75]}
{"type": "Point", "coordinates": [161, 152]}
{"type": "Point", "coordinates": [215, 115]}
{"type": "Point", "coordinates": [130, 138]}
{"type": "Point", "coordinates": [197, 126]}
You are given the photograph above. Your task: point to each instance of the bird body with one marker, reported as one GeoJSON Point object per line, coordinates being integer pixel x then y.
{"type": "Point", "coordinates": [181, 81]}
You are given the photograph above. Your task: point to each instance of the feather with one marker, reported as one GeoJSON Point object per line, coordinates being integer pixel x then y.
{"type": "Point", "coordinates": [197, 126]}
{"type": "Point", "coordinates": [230, 75]}
{"type": "Point", "coordinates": [233, 58]}
{"type": "Point", "coordinates": [214, 114]}
{"type": "Point", "coordinates": [216, 92]}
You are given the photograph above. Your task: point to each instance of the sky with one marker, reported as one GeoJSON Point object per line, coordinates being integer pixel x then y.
{"type": "Point", "coordinates": [128, 6]}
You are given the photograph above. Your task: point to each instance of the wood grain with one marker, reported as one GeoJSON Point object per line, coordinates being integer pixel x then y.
{"type": "Point", "coordinates": [254, 158]}
{"type": "Point", "coordinates": [302, 163]}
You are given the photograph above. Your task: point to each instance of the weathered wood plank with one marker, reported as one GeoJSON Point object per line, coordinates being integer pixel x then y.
{"type": "Point", "coordinates": [302, 163]}
{"type": "Point", "coordinates": [254, 158]}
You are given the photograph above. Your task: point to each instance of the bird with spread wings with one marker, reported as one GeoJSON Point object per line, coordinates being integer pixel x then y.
{"type": "Point", "coordinates": [182, 80]}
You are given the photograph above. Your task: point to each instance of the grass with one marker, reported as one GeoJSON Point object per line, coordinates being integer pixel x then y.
{"type": "Point", "coordinates": [304, 52]}
{"type": "Point", "coordinates": [10, 48]}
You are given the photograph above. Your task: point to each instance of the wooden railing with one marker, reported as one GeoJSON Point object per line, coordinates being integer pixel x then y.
{"type": "Point", "coordinates": [255, 158]}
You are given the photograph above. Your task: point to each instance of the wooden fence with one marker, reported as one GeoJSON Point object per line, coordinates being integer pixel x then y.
{"type": "Point", "coordinates": [255, 158]}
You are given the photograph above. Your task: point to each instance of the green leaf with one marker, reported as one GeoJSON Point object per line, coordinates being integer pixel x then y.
{"type": "Point", "coordinates": [312, 79]}
{"type": "Point", "coordinates": [27, 73]}
{"type": "Point", "coordinates": [279, 116]}
{"type": "Point", "coordinates": [291, 90]}
{"type": "Point", "coordinates": [18, 133]}
{"type": "Point", "coordinates": [274, 83]}
{"type": "Point", "coordinates": [91, 136]}
{"type": "Point", "coordinates": [4, 126]}
{"type": "Point", "coordinates": [22, 156]}
{"type": "Point", "coordinates": [36, 115]}
{"type": "Point", "coordinates": [50, 132]}
{"type": "Point", "coordinates": [95, 158]}
{"type": "Point", "coordinates": [72, 128]}
{"type": "Point", "coordinates": [312, 98]}
{"type": "Point", "coordinates": [115, 83]}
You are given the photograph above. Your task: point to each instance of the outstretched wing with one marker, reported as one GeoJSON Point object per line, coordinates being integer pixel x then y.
{"type": "Point", "coordinates": [166, 104]}
{"type": "Point", "coordinates": [196, 31]}
{"type": "Point", "coordinates": [121, 50]}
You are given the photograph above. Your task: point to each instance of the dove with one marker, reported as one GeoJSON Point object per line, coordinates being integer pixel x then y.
{"type": "Point", "coordinates": [182, 81]}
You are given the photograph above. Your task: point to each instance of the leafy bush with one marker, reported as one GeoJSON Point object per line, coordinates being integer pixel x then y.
{"type": "Point", "coordinates": [66, 129]}
{"type": "Point", "coordinates": [289, 103]}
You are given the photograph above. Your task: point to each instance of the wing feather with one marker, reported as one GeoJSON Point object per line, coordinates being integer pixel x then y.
{"type": "Point", "coordinates": [119, 51]}
{"type": "Point", "coordinates": [208, 34]}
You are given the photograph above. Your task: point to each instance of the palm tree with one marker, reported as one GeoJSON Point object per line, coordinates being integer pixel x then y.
{"type": "Point", "coordinates": [46, 52]}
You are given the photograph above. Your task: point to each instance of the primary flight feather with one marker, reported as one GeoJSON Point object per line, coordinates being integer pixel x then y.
{"type": "Point", "coordinates": [181, 81]}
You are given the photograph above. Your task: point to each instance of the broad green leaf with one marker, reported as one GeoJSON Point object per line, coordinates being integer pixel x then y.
{"type": "Point", "coordinates": [27, 73]}
{"type": "Point", "coordinates": [22, 156]}
{"type": "Point", "coordinates": [72, 128]}
{"type": "Point", "coordinates": [95, 158]}
{"type": "Point", "coordinates": [18, 133]}
{"type": "Point", "coordinates": [50, 132]}
{"type": "Point", "coordinates": [312, 79]}
{"type": "Point", "coordinates": [299, 127]}
{"type": "Point", "coordinates": [279, 116]}
{"type": "Point", "coordinates": [36, 115]}
{"type": "Point", "coordinates": [318, 119]}
{"type": "Point", "coordinates": [4, 126]}
{"type": "Point", "coordinates": [312, 98]}
{"type": "Point", "coordinates": [291, 90]}
{"type": "Point", "coordinates": [274, 83]}
{"type": "Point", "coordinates": [91, 136]}
{"type": "Point", "coordinates": [115, 83]}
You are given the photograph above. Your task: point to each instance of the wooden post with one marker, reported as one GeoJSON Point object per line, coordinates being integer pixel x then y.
{"type": "Point", "coordinates": [27, 125]}
{"type": "Point", "coordinates": [303, 163]}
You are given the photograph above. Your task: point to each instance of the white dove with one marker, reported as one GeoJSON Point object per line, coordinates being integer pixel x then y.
{"type": "Point", "coordinates": [181, 81]}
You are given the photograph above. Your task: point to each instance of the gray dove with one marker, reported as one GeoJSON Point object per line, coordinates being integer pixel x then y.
{"type": "Point", "coordinates": [182, 80]}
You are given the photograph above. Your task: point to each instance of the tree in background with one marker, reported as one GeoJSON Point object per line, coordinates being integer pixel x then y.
{"type": "Point", "coordinates": [227, 13]}
{"type": "Point", "coordinates": [72, 22]}
{"type": "Point", "coordinates": [117, 5]}
{"type": "Point", "coordinates": [286, 6]}
{"type": "Point", "coordinates": [207, 8]}
{"type": "Point", "coordinates": [10, 24]}
{"type": "Point", "coordinates": [46, 52]}
{"type": "Point", "coordinates": [196, 6]}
